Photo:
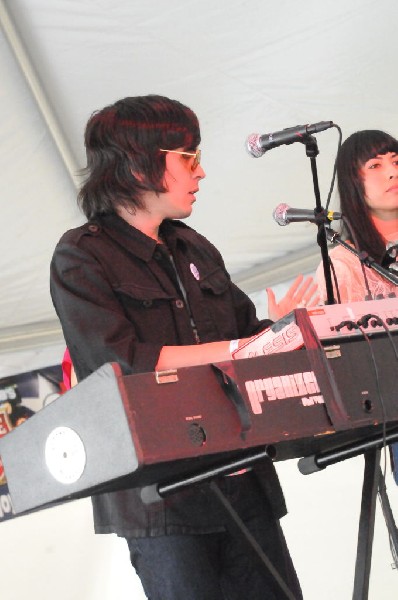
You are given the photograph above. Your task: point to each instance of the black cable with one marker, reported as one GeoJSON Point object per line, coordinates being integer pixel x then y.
{"type": "Point", "coordinates": [380, 395]}
{"type": "Point", "coordinates": [354, 238]}
{"type": "Point", "coordinates": [334, 167]}
{"type": "Point", "coordinates": [379, 321]}
{"type": "Point", "coordinates": [335, 281]}
{"type": "Point", "coordinates": [382, 484]}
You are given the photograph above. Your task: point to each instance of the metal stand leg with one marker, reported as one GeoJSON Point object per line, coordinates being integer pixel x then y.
{"type": "Point", "coordinates": [366, 524]}
{"type": "Point", "coordinates": [389, 518]}
{"type": "Point", "coordinates": [154, 492]}
{"type": "Point", "coordinates": [249, 540]}
{"type": "Point", "coordinates": [373, 482]}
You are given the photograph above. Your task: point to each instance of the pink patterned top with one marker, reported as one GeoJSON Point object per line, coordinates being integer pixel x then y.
{"type": "Point", "coordinates": [349, 272]}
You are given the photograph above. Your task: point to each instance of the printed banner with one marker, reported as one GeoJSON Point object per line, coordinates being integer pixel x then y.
{"type": "Point", "coordinates": [21, 396]}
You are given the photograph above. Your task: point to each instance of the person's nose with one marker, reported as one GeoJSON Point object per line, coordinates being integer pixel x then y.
{"type": "Point", "coordinates": [199, 172]}
{"type": "Point", "coordinates": [393, 171]}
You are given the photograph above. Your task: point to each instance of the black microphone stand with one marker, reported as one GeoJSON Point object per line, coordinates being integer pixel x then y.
{"type": "Point", "coordinates": [362, 256]}
{"type": "Point", "coordinates": [373, 477]}
{"type": "Point", "coordinates": [312, 152]}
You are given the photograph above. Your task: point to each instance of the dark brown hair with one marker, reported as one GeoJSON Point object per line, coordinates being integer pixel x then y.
{"type": "Point", "coordinates": [122, 144]}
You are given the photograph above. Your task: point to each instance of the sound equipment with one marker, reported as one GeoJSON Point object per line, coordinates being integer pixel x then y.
{"type": "Point", "coordinates": [337, 321]}
{"type": "Point", "coordinates": [333, 322]}
{"type": "Point", "coordinates": [113, 431]}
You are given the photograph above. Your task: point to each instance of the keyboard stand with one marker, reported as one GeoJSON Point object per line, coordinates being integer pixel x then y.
{"type": "Point", "coordinates": [373, 483]}
{"type": "Point", "coordinates": [151, 493]}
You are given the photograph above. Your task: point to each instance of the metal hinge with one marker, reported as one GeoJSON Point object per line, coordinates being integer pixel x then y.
{"type": "Point", "coordinates": [169, 376]}
{"type": "Point", "coordinates": [333, 351]}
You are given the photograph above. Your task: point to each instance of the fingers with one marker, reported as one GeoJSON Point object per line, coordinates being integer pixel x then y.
{"type": "Point", "coordinates": [311, 297]}
{"type": "Point", "coordinates": [307, 284]}
{"type": "Point", "coordinates": [307, 294]}
{"type": "Point", "coordinates": [300, 286]}
{"type": "Point", "coordinates": [273, 311]}
{"type": "Point", "coordinates": [314, 301]}
{"type": "Point", "coordinates": [271, 296]}
{"type": "Point", "coordinates": [302, 293]}
{"type": "Point", "coordinates": [295, 285]}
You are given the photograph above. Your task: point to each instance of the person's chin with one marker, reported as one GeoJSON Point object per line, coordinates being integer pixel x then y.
{"type": "Point", "coordinates": [185, 213]}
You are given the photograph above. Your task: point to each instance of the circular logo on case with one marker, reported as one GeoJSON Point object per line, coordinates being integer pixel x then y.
{"type": "Point", "coordinates": [65, 455]}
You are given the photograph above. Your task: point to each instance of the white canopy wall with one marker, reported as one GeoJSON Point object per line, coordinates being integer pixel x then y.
{"type": "Point", "coordinates": [243, 66]}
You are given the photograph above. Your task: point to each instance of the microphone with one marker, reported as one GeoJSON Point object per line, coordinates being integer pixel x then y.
{"type": "Point", "coordinates": [257, 144]}
{"type": "Point", "coordinates": [284, 214]}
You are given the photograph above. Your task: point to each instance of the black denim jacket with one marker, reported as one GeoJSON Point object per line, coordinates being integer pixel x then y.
{"type": "Point", "coordinates": [118, 300]}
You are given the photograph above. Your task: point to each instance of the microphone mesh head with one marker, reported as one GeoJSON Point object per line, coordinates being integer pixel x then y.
{"type": "Point", "coordinates": [279, 214]}
{"type": "Point", "coordinates": [253, 147]}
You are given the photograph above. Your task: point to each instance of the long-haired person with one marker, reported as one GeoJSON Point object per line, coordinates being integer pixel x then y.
{"type": "Point", "coordinates": [367, 175]}
{"type": "Point", "coordinates": [137, 286]}
{"type": "Point", "coordinates": [367, 172]}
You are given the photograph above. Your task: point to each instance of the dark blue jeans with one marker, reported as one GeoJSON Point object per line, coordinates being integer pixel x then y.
{"type": "Point", "coordinates": [217, 566]}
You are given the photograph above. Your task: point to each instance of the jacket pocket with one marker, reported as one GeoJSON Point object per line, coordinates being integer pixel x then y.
{"type": "Point", "coordinates": [141, 294]}
{"type": "Point", "coordinates": [149, 309]}
{"type": "Point", "coordinates": [216, 282]}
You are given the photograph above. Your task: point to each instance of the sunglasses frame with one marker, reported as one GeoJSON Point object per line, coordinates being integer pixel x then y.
{"type": "Point", "coordinates": [197, 155]}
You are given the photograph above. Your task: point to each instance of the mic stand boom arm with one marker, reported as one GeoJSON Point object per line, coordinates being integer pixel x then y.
{"type": "Point", "coordinates": [363, 256]}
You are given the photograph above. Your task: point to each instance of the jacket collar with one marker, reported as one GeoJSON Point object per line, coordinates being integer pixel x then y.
{"type": "Point", "coordinates": [136, 242]}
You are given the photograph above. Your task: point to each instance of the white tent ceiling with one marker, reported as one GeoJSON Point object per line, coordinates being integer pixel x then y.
{"type": "Point", "coordinates": [242, 65]}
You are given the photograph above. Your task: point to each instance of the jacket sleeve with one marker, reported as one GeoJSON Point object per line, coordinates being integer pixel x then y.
{"type": "Point", "coordinates": [95, 327]}
{"type": "Point", "coordinates": [248, 323]}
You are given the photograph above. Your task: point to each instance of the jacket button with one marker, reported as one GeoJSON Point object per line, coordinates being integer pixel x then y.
{"type": "Point", "coordinates": [179, 304]}
{"type": "Point", "coordinates": [93, 228]}
{"type": "Point", "coordinates": [157, 256]}
{"type": "Point", "coordinates": [147, 303]}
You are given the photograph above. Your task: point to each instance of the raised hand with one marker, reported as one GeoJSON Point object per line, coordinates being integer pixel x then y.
{"type": "Point", "coordinates": [302, 293]}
